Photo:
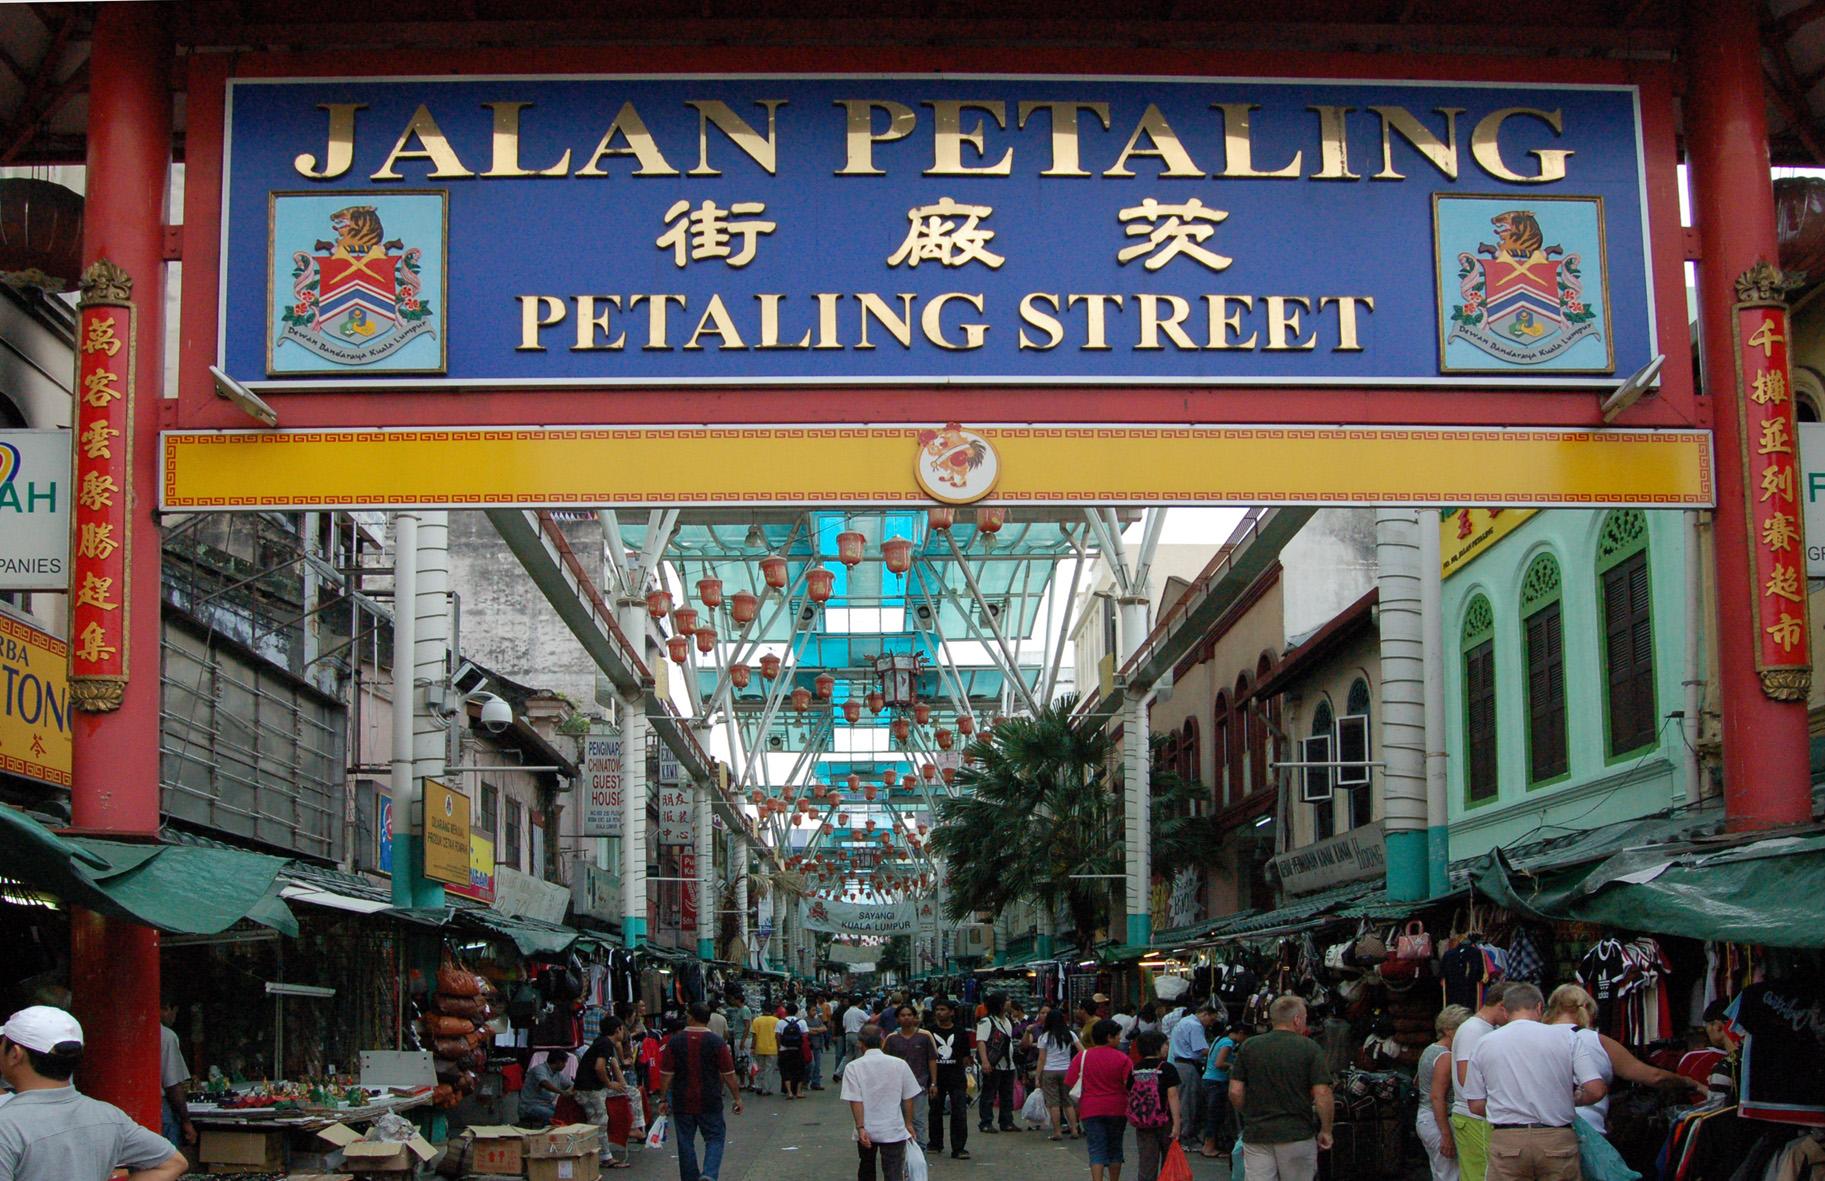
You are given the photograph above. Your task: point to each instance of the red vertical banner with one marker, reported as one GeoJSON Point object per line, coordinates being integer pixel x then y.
{"type": "Point", "coordinates": [1777, 546]}
{"type": "Point", "coordinates": [687, 908]}
{"type": "Point", "coordinates": [102, 479]}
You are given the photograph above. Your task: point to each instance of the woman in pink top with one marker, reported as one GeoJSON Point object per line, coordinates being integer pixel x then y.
{"type": "Point", "coordinates": [1103, 1110]}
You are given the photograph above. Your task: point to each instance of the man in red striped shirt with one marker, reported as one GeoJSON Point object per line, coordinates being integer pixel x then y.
{"type": "Point", "coordinates": [689, 1068]}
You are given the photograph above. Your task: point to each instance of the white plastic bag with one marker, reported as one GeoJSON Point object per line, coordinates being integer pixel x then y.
{"type": "Point", "coordinates": [655, 1135]}
{"type": "Point", "coordinates": [1034, 1112]}
{"type": "Point", "coordinates": [916, 1169]}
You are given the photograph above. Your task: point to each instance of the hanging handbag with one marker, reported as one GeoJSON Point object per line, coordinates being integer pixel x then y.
{"type": "Point", "coordinates": [1414, 943]}
{"type": "Point", "coordinates": [1369, 948]}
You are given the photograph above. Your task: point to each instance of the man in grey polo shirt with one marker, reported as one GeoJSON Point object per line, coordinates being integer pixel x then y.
{"type": "Point", "coordinates": [50, 1132]}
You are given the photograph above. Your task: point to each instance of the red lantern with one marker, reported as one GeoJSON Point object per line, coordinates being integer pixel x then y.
{"type": "Point", "coordinates": [658, 603]}
{"type": "Point", "coordinates": [849, 547]}
{"type": "Point", "coordinates": [897, 553]}
{"type": "Point", "coordinates": [870, 823]}
{"type": "Point", "coordinates": [990, 520]}
{"type": "Point", "coordinates": [922, 713]}
{"type": "Point", "coordinates": [825, 684]}
{"type": "Point", "coordinates": [966, 725]}
{"type": "Point", "coordinates": [999, 720]}
{"type": "Point", "coordinates": [769, 666]}
{"type": "Point", "coordinates": [818, 584]}
{"type": "Point", "coordinates": [943, 738]}
{"type": "Point", "coordinates": [852, 711]}
{"type": "Point", "coordinates": [801, 699]}
{"type": "Point", "coordinates": [855, 782]}
{"type": "Point", "coordinates": [679, 648]}
{"type": "Point", "coordinates": [928, 772]}
{"type": "Point", "coordinates": [902, 729]}
{"type": "Point", "coordinates": [709, 592]}
{"type": "Point", "coordinates": [740, 675]}
{"type": "Point", "coordinates": [868, 792]}
{"type": "Point", "coordinates": [743, 607]}
{"type": "Point", "coordinates": [757, 796]}
{"type": "Point", "coordinates": [706, 640]}
{"type": "Point", "coordinates": [876, 702]}
{"type": "Point", "coordinates": [922, 828]}
{"type": "Point", "coordinates": [684, 619]}
{"type": "Point", "coordinates": [842, 818]}
{"type": "Point", "coordinates": [940, 519]}
{"type": "Point", "coordinates": [773, 569]}
{"type": "Point", "coordinates": [950, 777]}
{"type": "Point", "coordinates": [890, 777]}
{"type": "Point", "coordinates": [797, 819]}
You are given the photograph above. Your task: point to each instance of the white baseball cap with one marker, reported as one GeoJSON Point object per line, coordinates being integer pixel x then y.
{"type": "Point", "coordinates": [41, 1028]}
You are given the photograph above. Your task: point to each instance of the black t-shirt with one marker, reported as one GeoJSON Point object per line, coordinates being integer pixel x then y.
{"type": "Point", "coordinates": [1784, 1054]}
{"type": "Point", "coordinates": [954, 1047]}
{"type": "Point", "coordinates": [599, 1049]}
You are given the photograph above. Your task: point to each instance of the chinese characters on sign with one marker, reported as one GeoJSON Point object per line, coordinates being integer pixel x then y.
{"type": "Point", "coordinates": [674, 815]}
{"type": "Point", "coordinates": [1777, 556]}
{"type": "Point", "coordinates": [102, 479]}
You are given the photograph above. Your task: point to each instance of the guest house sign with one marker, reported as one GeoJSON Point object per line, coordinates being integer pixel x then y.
{"type": "Point", "coordinates": [755, 230]}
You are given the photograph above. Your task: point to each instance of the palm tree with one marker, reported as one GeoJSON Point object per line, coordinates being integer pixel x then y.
{"type": "Point", "coordinates": [1038, 818]}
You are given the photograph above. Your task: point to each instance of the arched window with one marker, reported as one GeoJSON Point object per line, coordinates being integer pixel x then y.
{"type": "Point", "coordinates": [1190, 757]}
{"type": "Point", "coordinates": [1543, 643]}
{"type": "Point", "coordinates": [1260, 732]}
{"type": "Point", "coordinates": [1221, 791]}
{"type": "Point", "coordinates": [1628, 633]}
{"type": "Point", "coordinates": [1479, 701]}
{"type": "Point", "coordinates": [1356, 706]}
{"type": "Point", "coordinates": [1241, 740]}
{"type": "Point", "coordinates": [1324, 812]}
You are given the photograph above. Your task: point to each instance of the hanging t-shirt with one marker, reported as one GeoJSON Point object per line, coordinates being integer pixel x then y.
{"type": "Point", "coordinates": [1783, 1075]}
{"type": "Point", "coordinates": [1463, 971]}
{"type": "Point", "coordinates": [1603, 971]}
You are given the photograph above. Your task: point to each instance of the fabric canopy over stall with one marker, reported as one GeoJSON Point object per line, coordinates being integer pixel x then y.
{"type": "Point", "coordinates": [1764, 891]}
{"type": "Point", "coordinates": [182, 889]}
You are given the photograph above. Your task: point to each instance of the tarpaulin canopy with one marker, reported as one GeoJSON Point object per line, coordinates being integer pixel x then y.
{"type": "Point", "coordinates": [182, 889]}
{"type": "Point", "coordinates": [1765, 891]}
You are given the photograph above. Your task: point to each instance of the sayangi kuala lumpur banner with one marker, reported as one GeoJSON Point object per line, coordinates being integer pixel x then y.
{"type": "Point", "coordinates": [858, 918]}
{"type": "Point", "coordinates": [504, 232]}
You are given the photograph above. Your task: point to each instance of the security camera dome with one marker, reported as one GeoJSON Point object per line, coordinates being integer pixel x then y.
{"type": "Point", "coordinates": [497, 715]}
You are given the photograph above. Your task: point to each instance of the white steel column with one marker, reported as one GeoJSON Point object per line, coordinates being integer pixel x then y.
{"type": "Point", "coordinates": [1438, 816]}
{"type": "Point", "coordinates": [408, 822]}
{"type": "Point", "coordinates": [1137, 786]}
{"type": "Point", "coordinates": [709, 901]}
{"type": "Point", "coordinates": [1403, 704]}
{"type": "Point", "coordinates": [431, 648]}
{"type": "Point", "coordinates": [633, 789]}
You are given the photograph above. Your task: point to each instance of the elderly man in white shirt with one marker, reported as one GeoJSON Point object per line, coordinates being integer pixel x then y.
{"type": "Point", "coordinates": [1528, 1080]}
{"type": "Point", "coordinates": [880, 1092]}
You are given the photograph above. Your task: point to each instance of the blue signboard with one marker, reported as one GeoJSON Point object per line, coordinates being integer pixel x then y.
{"type": "Point", "coordinates": [502, 232]}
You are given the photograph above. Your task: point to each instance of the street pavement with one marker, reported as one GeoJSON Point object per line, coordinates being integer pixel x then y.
{"type": "Point", "coordinates": [812, 1139]}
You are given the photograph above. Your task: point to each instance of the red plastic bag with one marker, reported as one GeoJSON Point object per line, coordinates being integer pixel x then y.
{"type": "Point", "coordinates": [1175, 1167]}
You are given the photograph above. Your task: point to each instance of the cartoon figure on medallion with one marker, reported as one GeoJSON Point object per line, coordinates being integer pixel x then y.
{"type": "Point", "coordinates": [955, 465]}
{"type": "Point", "coordinates": [1524, 302]}
{"type": "Point", "coordinates": [360, 297]}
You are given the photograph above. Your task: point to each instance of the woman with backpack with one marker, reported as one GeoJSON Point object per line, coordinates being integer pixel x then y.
{"type": "Point", "coordinates": [794, 1038]}
{"type": "Point", "coordinates": [1058, 1044]}
{"type": "Point", "coordinates": [995, 1054]}
{"type": "Point", "coordinates": [1102, 1103]}
{"type": "Point", "coordinates": [1153, 1104]}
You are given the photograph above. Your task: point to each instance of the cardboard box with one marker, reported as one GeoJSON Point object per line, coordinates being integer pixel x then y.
{"type": "Point", "coordinates": [498, 1149]}
{"type": "Point", "coordinates": [375, 1156]}
{"type": "Point", "coordinates": [234, 1151]}
{"type": "Point", "coordinates": [319, 1177]}
{"type": "Point", "coordinates": [564, 1168]}
{"type": "Point", "coordinates": [564, 1140]}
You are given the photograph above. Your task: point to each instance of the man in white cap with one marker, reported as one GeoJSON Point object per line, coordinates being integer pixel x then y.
{"type": "Point", "coordinates": [50, 1132]}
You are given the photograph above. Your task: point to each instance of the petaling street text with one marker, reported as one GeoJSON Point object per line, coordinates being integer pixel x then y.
{"type": "Point", "coordinates": [971, 138]}
{"type": "Point", "coordinates": [956, 320]}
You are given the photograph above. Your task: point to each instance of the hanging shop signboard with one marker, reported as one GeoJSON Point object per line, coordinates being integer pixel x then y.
{"type": "Point", "coordinates": [1347, 857]}
{"type": "Point", "coordinates": [35, 510]}
{"type": "Point", "coordinates": [526, 896]}
{"type": "Point", "coordinates": [1466, 531]}
{"type": "Point", "coordinates": [675, 816]}
{"type": "Point", "coordinates": [602, 800]}
{"type": "Point", "coordinates": [34, 703]}
{"type": "Point", "coordinates": [1812, 489]}
{"type": "Point", "coordinates": [537, 233]}
{"type": "Point", "coordinates": [101, 558]}
{"type": "Point", "coordinates": [858, 918]}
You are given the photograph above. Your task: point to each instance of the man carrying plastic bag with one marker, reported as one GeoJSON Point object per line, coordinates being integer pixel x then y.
{"type": "Point", "coordinates": [880, 1092]}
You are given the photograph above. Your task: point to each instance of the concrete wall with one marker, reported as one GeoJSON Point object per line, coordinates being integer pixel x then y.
{"type": "Point", "coordinates": [1598, 790]}
{"type": "Point", "coordinates": [1329, 565]}
{"type": "Point", "coordinates": [506, 623]}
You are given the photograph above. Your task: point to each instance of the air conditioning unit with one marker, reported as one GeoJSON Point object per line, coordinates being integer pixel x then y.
{"type": "Point", "coordinates": [974, 940]}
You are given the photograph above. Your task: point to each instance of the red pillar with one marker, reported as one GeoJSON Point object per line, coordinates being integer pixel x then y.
{"type": "Point", "coordinates": [1766, 777]}
{"type": "Point", "coordinates": [114, 965]}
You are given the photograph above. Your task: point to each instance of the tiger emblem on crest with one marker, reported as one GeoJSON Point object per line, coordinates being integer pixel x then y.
{"type": "Point", "coordinates": [1520, 299]}
{"type": "Point", "coordinates": [356, 297]}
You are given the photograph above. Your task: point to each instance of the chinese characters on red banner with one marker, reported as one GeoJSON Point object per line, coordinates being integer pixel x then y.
{"type": "Point", "coordinates": [102, 479]}
{"type": "Point", "coordinates": [1777, 556]}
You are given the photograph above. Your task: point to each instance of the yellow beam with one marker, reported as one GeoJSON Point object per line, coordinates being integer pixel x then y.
{"type": "Point", "coordinates": [874, 465]}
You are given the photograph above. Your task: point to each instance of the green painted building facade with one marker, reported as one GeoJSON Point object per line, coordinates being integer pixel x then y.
{"type": "Point", "coordinates": [1565, 648]}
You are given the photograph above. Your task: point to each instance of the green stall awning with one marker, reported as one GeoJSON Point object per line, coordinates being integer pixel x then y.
{"type": "Point", "coordinates": [182, 889]}
{"type": "Point", "coordinates": [1763, 891]}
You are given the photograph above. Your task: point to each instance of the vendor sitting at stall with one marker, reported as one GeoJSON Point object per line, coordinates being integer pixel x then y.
{"type": "Point", "coordinates": [544, 1083]}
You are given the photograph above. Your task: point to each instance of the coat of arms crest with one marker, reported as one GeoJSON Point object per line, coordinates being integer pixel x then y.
{"type": "Point", "coordinates": [360, 296]}
{"type": "Point", "coordinates": [1522, 300]}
